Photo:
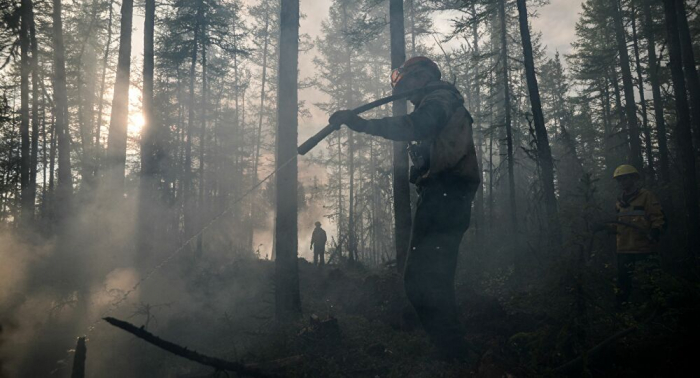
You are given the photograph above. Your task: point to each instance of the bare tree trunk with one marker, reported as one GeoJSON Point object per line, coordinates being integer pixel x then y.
{"type": "Point", "coordinates": [683, 133]}
{"type": "Point", "coordinates": [115, 158]}
{"type": "Point", "coordinates": [187, 172]}
{"type": "Point", "coordinates": [656, 93]}
{"type": "Point", "coordinates": [98, 123]}
{"type": "Point", "coordinates": [258, 135]}
{"type": "Point", "coordinates": [628, 87]}
{"type": "Point", "coordinates": [642, 99]}
{"type": "Point", "coordinates": [544, 153]}
{"type": "Point", "coordinates": [35, 106]}
{"type": "Point", "coordinates": [150, 166]}
{"type": "Point", "coordinates": [202, 141]}
{"type": "Point", "coordinates": [509, 128]}
{"type": "Point", "coordinates": [287, 297]}
{"type": "Point", "coordinates": [64, 190]}
{"type": "Point", "coordinates": [27, 210]}
{"type": "Point", "coordinates": [479, 202]}
{"type": "Point", "coordinates": [402, 195]}
{"type": "Point", "coordinates": [691, 72]}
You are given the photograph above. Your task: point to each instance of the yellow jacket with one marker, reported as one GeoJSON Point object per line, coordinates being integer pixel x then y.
{"type": "Point", "coordinates": [641, 213]}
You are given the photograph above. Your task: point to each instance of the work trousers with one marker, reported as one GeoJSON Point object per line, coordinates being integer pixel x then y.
{"type": "Point", "coordinates": [627, 263]}
{"type": "Point", "coordinates": [319, 255]}
{"type": "Point", "coordinates": [441, 219]}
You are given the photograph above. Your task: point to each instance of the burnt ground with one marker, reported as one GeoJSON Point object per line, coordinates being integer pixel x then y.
{"type": "Point", "coordinates": [356, 323]}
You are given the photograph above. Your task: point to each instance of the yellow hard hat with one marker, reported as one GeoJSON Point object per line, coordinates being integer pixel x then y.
{"type": "Point", "coordinates": [625, 169]}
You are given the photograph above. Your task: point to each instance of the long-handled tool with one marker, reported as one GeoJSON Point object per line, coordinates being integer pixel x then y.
{"type": "Point", "coordinates": [326, 131]}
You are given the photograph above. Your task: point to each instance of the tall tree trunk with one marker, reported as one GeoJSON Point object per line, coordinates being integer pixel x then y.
{"type": "Point", "coordinates": [64, 190]}
{"type": "Point", "coordinates": [656, 92]}
{"type": "Point", "coordinates": [27, 210]}
{"type": "Point", "coordinates": [201, 208]}
{"type": "Point", "coordinates": [35, 106]}
{"type": "Point", "coordinates": [187, 172]}
{"type": "Point", "coordinates": [98, 122]}
{"type": "Point", "coordinates": [630, 107]}
{"type": "Point", "coordinates": [509, 128]}
{"type": "Point", "coordinates": [352, 237]}
{"type": "Point", "coordinates": [683, 130]}
{"type": "Point", "coordinates": [287, 298]}
{"type": "Point", "coordinates": [544, 153]}
{"type": "Point", "coordinates": [642, 99]}
{"type": "Point", "coordinates": [150, 166]}
{"type": "Point", "coordinates": [115, 158]}
{"type": "Point", "coordinates": [691, 72]}
{"type": "Point", "coordinates": [402, 194]}
{"type": "Point", "coordinates": [258, 134]}
{"type": "Point", "coordinates": [479, 202]}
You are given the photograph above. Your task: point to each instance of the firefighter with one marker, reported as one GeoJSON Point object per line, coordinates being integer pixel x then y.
{"type": "Point", "coordinates": [446, 175]}
{"type": "Point", "coordinates": [318, 244]}
{"type": "Point", "coordinates": [640, 221]}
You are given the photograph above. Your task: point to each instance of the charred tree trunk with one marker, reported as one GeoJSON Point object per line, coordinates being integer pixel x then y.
{"type": "Point", "coordinates": [187, 171]}
{"type": "Point", "coordinates": [64, 189]}
{"type": "Point", "coordinates": [508, 122]}
{"type": "Point", "coordinates": [402, 195]}
{"type": "Point", "coordinates": [479, 201]}
{"type": "Point", "coordinates": [656, 93]}
{"type": "Point", "coordinates": [691, 72]}
{"type": "Point", "coordinates": [635, 156]}
{"type": "Point", "coordinates": [287, 298]}
{"type": "Point", "coordinates": [79, 359]}
{"type": "Point", "coordinates": [544, 153]}
{"type": "Point", "coordinates": [115, 158]}
{"type": "Point", "coordinates": [642, 99]}
{"type": "Point", "coordinates": [150, 165]}
{"type": "Point", "coordinates": [683, 130]}
{"type": "Point", "coordinates": [258, 135]}
{"type": "Point", "coordinates": [98, 123]}
{"type": "Point", "coordinates": [24, 162]}
{"type": "Point", "coordinates": [35, 105]}
{"type": "Point", "coordinates": [202, 142]}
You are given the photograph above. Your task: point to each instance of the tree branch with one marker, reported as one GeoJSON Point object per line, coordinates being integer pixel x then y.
{"type": "Point", "coordinates": [183, 352]}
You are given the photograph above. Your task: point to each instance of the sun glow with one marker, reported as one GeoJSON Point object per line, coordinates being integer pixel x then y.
{"type": "Point", "coordinates": [136, 122]}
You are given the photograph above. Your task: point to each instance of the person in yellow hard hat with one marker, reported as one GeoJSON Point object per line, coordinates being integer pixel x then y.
{"type": "Point", "coordinates": [446, 175]}
{"type": "Point", "coordinates": [640, 221]}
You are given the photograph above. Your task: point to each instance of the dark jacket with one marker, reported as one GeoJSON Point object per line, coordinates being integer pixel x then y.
{"type": "Point", "coordinates": [443, 127]}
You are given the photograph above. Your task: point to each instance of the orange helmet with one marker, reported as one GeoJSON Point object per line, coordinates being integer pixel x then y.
{"type": "Point", "coordinates": [413, 65]}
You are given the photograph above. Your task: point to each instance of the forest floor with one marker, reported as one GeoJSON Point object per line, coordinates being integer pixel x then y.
{"type": "Point", "coordinates": [357, 323]}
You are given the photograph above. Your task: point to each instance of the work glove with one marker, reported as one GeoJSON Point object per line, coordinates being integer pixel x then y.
{"type": "Point", "coordinates": [349, 118]}
{"type": "Point", "coordinates": [655, 235]}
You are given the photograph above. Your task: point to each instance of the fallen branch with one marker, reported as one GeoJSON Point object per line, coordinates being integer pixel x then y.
{"type": "Point", "coordinates": [216, 363]}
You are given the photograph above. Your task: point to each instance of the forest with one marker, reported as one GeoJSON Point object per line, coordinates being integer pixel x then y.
{"type": "Point", "coordinates": [156, 210]}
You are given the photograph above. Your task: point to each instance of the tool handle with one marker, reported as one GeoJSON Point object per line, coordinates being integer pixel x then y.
{"type": "Point", "coordinates": [316, 139]}
{"type": "Point", "coordinates": [326, 131]}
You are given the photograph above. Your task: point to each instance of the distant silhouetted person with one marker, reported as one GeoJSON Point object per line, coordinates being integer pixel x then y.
{"type": "Point", "coordinates": [318, 244]}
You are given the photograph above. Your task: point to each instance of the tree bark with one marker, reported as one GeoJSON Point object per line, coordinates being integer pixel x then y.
{"type": "Point", "coordinates": [287, 298]}
{"type": "Point", "coordinates": [35, 105]}
{"type": "Point", "coordinates": [150, 166]}
{"type": "Point", "coordinates": [402, 195]}
{"type": "Point", "coordinates": [201, 211]}
{"type": "Point", "coordinates": [98, 123]}
{"type": "Point", "coordinates": [479, 201]}
{"type": "Point", "coordinates": [508, 123]}
{"type": "Point", "coordinates": [635, 156]}
{"type": "Point", "coordinates": [653, 74]}
{"type": "Point", "coordinates": [27, 209]}
{"type": "Point", "coordinates": [642, 99]}
{"type": "Point", "coordinates": [64, 189]}
{"type": "Point", "coordinates": [691, 72]}
{"type": "Point", "coordinates": [544, 152]}
{"type": "Point", "coordinates": [115, 158]}
{"type": "Point", "coordinates": [683, 130]}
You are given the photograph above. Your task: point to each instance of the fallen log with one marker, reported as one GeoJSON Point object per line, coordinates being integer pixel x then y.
{"type": "Point", "coordinates": [216, 363]}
